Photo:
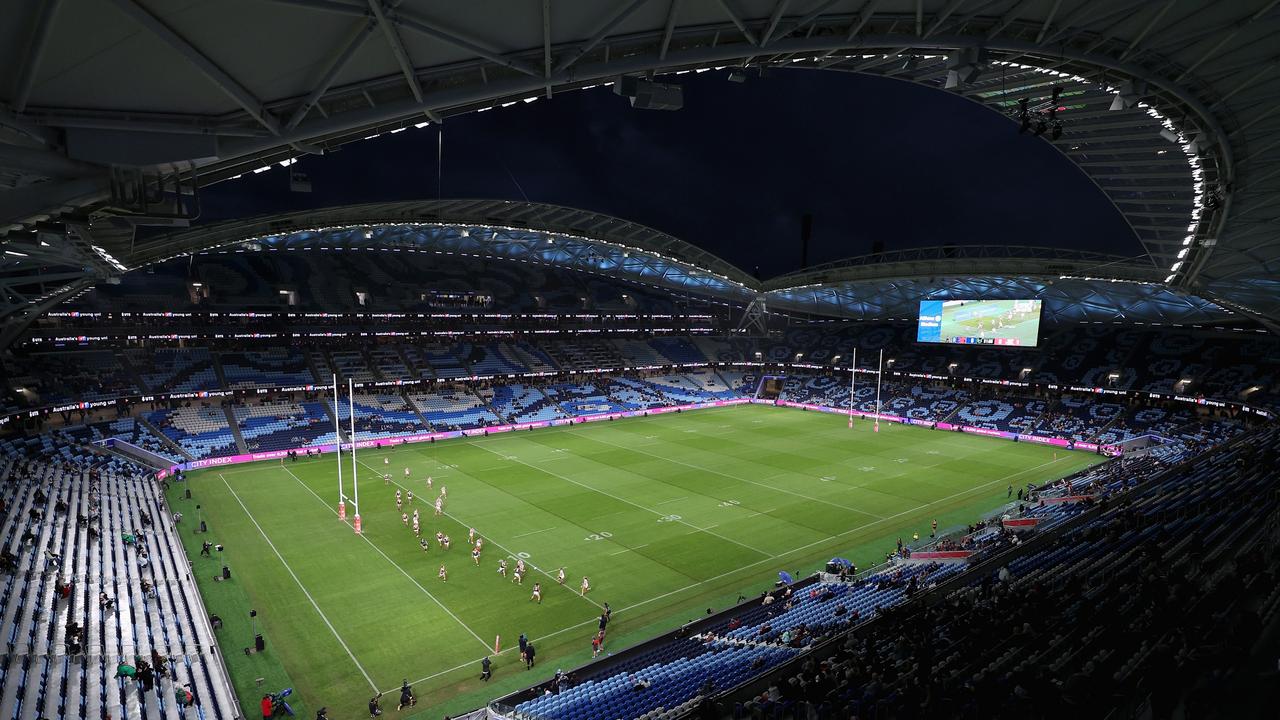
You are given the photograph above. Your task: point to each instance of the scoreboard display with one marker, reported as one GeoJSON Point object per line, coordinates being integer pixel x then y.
{"type": "Point", "coordinates": [1002, 323]}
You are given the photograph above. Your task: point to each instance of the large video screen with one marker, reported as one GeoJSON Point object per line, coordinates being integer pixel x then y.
{"type": "Point", "coordinates": [1010, 323]}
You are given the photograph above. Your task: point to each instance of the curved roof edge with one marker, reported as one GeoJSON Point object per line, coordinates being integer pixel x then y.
{"type": "Point", "coordinates": [520, 215]}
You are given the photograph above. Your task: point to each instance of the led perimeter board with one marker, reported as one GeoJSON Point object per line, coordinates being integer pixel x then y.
{"type": "Point", "coordinates": [1006, 323]}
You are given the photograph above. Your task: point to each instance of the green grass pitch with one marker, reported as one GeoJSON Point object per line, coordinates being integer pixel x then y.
{"type": "Point", "coordinates": [667, 515]}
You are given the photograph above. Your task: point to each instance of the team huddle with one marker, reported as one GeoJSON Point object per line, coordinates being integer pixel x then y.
{"type": "Point", "coordinates": [404, 502]}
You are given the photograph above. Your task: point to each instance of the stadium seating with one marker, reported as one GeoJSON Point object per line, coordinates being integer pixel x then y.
{"type": "Point", "coordinates": [174, 369]}
{"type": "Point", "coordinates": [1012, 414]}
{"type": "Point", "coordinates": [381, 416]}
{"type": "Point", "coordinates": [924, 403]}
{"type": "Point", "coordinates": [201, 431]}
{"type": "Point", "coordinates": [62, 652]}
{"type": "Point", "coordinates": [711, 383]}
{"type": "Point", "coordinates": [454, 409]}
{"type": "Point", "coordinates": [276, 367]}
{"type": "Point", "coordinates": [284, 424]}
{"type": "Point", "coordinates": [519, 403]}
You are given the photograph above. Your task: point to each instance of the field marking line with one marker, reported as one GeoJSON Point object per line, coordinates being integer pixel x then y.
{"type": "Point", "coordinates": [535, 532]}
{"type": "Point", "coordinates": [642, 603]}
{"type": "Point", "coordinates": [301, 587]}
{"type": "Point", "coordinates": [394, 564]}
{"type": "Point", "coordinates": [499, 545]}
{"type": "Point", "coordinates": [627, 550]}
{"type": "Point", "coordinates": [835, 537]}
{"type": "Point", "coordinates": [664, 502]}
{"type": "Point", "coordinates": [646, 509]}
{"type": "Point", "coordinates": [735, 477]}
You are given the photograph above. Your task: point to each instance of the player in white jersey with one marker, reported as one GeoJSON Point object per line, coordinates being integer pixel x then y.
{"type": "Point", "coordinates": [444, 492]}
{"type": "Point", "coordinates": [479, 543]}
{"type": "Point", "coordinates": [440, 538]}
{"type": "Point", "coordinates": [520, 566]}
{"type": "Point", "coordinates": [409, 497]}
{"type": "Point", "coordinates": [399, 504]}
{"type": "Point", "coordinates": [445, 542]}
{"type": "Point", "coordinates": [502, 567]}
{"type": "Point", "coordinates": [560, 576]}
{"type": "Point", "coordinates": [406, 473]}
{"type": "Point", "coordinates": [586, 585]}
{"type": "Point", "coordinates": [439, 506]}
{"type": "Point", "coordinates": [417, 530]}
{"type": "Point", "coordinates": [518, 577]}
{"type": "Point", "coordinates": [443, 574]}
{"type": "Point", "coordinates": [386, 478]}
{"type": "Point", "coordinates": [404, 518]}
{"type": "Point", "coordinates": [471, 536]}
{"type": "Point", "coordinates": [537, 593]}
{"type": "Point", "coordinates": [428, 482]}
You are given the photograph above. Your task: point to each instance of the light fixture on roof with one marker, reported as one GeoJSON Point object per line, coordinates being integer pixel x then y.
{"type": "Point", "coordinates": [1169, 135]}
{"type": "Point", "coordinates": [964, 66]}
{"type": "Point", "coordinates": [737, 76]}
{"type": "Point", "coordinates": [1129, 94]}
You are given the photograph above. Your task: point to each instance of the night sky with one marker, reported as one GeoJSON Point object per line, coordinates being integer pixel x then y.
{"type": "Point", "coordinates": [734, 171]}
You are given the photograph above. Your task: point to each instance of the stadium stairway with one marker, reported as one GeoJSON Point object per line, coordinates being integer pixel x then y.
{"type": "Point", "coordinates": [220, 374]}
{"type": "Point", "coordinates": [235, 430]}
{"type": "Point", "coordinates": [142, 420]}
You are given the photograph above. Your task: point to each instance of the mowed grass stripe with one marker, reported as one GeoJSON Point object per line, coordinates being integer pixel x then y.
{"type": "Point", "coordinates": [578, 513]}
{"type": "Point", "coordinates": [301, 587]}
{"type": "Point", "coordinates": [654, 574]}
{"type": "Point", "coordinates": [659, 513]}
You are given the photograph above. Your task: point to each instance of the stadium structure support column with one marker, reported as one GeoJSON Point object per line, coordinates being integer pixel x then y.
{"type": "Point", "coordinates": [355, 476]}
{"type": "Point", "coordinates": [879, 377]}
{"type": "Point", "coordinates": [337, 437]}
{"type": "Point", "coordinates": [853, 379]}
{"type": "Point", "coordinates": [755, 317]}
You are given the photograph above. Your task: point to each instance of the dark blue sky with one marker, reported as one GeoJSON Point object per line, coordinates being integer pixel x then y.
{"type": "Point", "coordinates": [735, 170]}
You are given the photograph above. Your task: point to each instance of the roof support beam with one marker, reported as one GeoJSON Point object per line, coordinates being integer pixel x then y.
{"type": "Point", "coordinates": [738, 23]}
{"type": "Point", "coordinates": [426, 27]}
{"type": "Point", "coordinates": [362, 33]}
{"type": "Point", "coordinates": [31, 60]}
{"type": "Point", "coordinates": [778, 10]}
{"type": "Point", "coordinates": [1146, 29]}
{"type": "Point", "coordinates": [668, 29]}
{"type": "Point", "coordinates": [397, 48]}
{"type": "Point", "coordinates": [546, 44]}
{"type": "Point", "coordinates": [616, 19]}
{"type": "Point", "coordinates": [201, 62]}
{"type": "Point", "coordinates": [809, 17]}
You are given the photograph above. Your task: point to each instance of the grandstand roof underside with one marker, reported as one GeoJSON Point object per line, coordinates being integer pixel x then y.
{"type": "Point", "coordinates": [227, 86]}
{"type": "Point", "coordinates": [1076, 286]}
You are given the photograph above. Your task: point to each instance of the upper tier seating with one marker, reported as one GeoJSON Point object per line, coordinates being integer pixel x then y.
{"type": "Point", "coordinates": [174, 369]}
{"type": "Point", "coordinates": [276, 367]}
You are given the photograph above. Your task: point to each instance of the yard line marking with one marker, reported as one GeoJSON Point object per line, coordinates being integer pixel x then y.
{"type": "Point", "coordinates": [535, 532]}
{"type": "Point", "coordinates": [301, 587]}
{"type": "Point", "coordinates": [735, 477]}
{"type": "Point", "coordinates": [624, 500]}
{"type": "Point", "coordinates": [494, 542]}
{"type": "Point", "coordinates": [664, 502]}
{"type": "Point", "coordinates": [394, 564]}
{"type": "Point", "coordinates": [627, 550]}
{"type": "Point", "coordinates": [834, 537]}
{"type": "Point", "coordinates": [655, 598]}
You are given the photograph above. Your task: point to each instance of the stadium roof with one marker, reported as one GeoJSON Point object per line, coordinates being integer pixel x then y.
{"type": "Point", "coordinates": [1076, 286]}
{"type": "Point", "coordinates": [200, 91]}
